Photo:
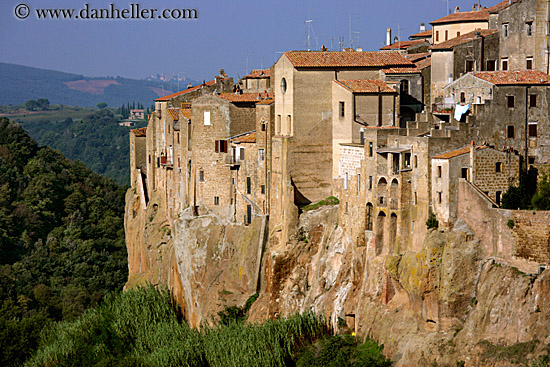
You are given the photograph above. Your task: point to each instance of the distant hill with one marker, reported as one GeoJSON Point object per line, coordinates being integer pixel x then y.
{"type": "Point", "coordinates": [22, 83]}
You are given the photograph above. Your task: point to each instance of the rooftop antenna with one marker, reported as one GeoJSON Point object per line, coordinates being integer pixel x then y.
{"type": "Point", "coordinates": [307, 25]}
{"type": "Point", "coordinates": [353, 34]}
{"type": "Point", "coordinates": [399, 29]}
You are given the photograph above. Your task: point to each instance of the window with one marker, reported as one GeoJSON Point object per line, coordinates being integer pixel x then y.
{"type": "Point", "coordinates": [278, 125]}
{"type": "Point", "coordinates": [371, 149]}
{"type": "Point", "coordinates": [464, 172]}
{"type": "Point", "coordinates": [529, 62]}
{"type": "Point", "coordinates": [510, 134]}
{"type": "Point", "coordinates": [288, 125]}
{"type": "Point", "coordinates": [415, 198]}
{"type": "Point", "coordinates": [407, 160]}
{"type": "Point", "coordinates": [358, 183]}
{"type": "Point", "coordinates": [149, 158]}
{"type": "Point", "coordinates": [283, 85]}
{"type": "Point", "coordinates": [529, 28]}
{"type": "Point", "coordinates": [504, 64]}
{"type": "Point", "coordinates": [436, 36]}
{"type": "Point", "coordinates": [248, 185]}
{"type": "Point", "coordinates": [458, 34]}
{"type": "Point", "coordinates": [404, 87]}
{"type": "Point", "coordinates": [262, 188]}
{"type": "Point", "coordinates": [369, 217]}
{"type": "Point", "coordinates": [362, 134]}
{"type": "Point", "coordinates": [346, 181]}
{"type": "Point", "coordinates": [505, 28]}
{"type": "Point", "coordinates": [462, 97]}
{"type": "Point", "coordinates": [370, 183]}
{"type": "Point", "coordinates": [261, 154]}
{"type": "Point", "coordinates": [241, 155]}
{"type": "Point", "coordinates": [510, 100]}
{"type": "Point", "coordinates": [497, 197]}
{"type": "Point", "coordinates": [469, 65]}
{"type": "Point", "coordinates": [533, 100]}
{"type": "Point", "coordinates": [342, 109]}
{"type": "Point", "coordinates": [178, 135]}
{"type": "Point", "coordinates": [532, 129]}
{"type": "Point", "coordinates": [446, 35]}
{"type": "Point", "coordinates": [439, 197]}
{"type": "Point", "coordinates": [415, 161]}
{"type": "Point", "coordinates": [346, 207]}
{"type": "Point", "coordinates": [531, 160]}
{"type": "Point", "coordinates": [207, 118]}
{"type": "Point", "coordinates": [221, 146]}
{"type": "Point", "coordinates": [248, 218]}
{"type": "Point", "coordinates": [498, 167]}
{"type": "Point", "coordinates": [201, 176]}
{"type": "Point", "coordinates": [491, 65]}
{"type": "Point", "coordinates": [263, 127]}
{"type": "Point", "coordinates": [438, 171]}
{"type": "Point", "coordinates": [216, 200]}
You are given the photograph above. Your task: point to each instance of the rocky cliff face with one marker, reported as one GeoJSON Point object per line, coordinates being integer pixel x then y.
{"type": "Point", "coordinates": [442, 305]}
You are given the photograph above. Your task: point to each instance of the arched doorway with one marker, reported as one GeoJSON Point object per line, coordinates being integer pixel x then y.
{"type": "Point", "coordinates": [394, 194]}
{"type": "Point", "coordinates": [382, 192]}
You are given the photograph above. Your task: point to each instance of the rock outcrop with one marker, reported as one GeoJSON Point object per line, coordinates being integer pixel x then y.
{"type": "Point", "coordinates": [442, 305]}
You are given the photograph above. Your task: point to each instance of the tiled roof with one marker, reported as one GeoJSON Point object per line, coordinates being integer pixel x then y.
{"type": "Point", "coordinates": [380, 127]}
{"type": "Point", "coordinates": [175, 113]}
{"type": "Point", "coordinates": [324, 59]}
{"type": "Point", "coordinates": [266, 101]}
{"type": "Point", "coordinates": [140, 132]}
{"type": "Point", "coordinates": [456, 153]}
{"type": "Point", "coordinates": [425, 34]}
{"type": "Point", "coordinates": [514, 77]}
{"type": "Point", "coordinates": [417, 56]}
{"type": "Point", "coordinates": [465, 16]}
{"type": "Point", "coordinates": [258, 73]}
{"type": "Point", "coordinates": [186, 112]}
{"type": "Point", "coordinates": [170, 96]}
{"type": "Point", "coordinates": [245, 138]}
{"type": "Point", "coordinates": [500, 6]}
{"type": "Point", "coordinates": [245, 97]}
{"type": "Point", "coordinates": [401, 71]}
{"type": "Point", "coordinates": [424, 63]}
{"type": "Point", "coordinates": [403, 45]}
{"type": "Point", "coordinates": [366, 86]}
{"type": "Point", "coordinates": [462, 39]}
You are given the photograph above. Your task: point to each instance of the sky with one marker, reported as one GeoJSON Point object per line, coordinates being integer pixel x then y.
{"type": "Point", "coordinates": [236, 35]}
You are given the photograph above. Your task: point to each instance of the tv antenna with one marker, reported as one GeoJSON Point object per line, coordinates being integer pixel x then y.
{"type": "Point", "coordinates": [353, 35]}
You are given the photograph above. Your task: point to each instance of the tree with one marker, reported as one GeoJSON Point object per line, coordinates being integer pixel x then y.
{"type": "Point", "coordinates": [43, 103]}
{"type": "Point", "coordinates": [541, 199]}
{"type": "Point", "coordinates": [31, 105]}
{"type": "Point", "coordinates": [101, 105]}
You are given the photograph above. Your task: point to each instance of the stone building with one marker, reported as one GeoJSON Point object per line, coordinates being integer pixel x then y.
{"type": "Point", "coordinates": [257, 81]}
{"type": "Point", "coordinates": [489, 170]}
{"type": "Point", "coordinates": [459, 23]}
{"type": "Point", "coordinates": [473, 51]}
{"type": "Point", "coordinates": [302, 145]}
{"type": "Point", "coordinates": [523, 33]}
{"type": "Point", "coordinates": [509, 110]}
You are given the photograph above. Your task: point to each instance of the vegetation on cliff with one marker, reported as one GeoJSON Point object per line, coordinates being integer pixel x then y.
{"type": "Point", "coordinates": [62, 243]}
{"type": "Point", "coordinates": [142, 327]}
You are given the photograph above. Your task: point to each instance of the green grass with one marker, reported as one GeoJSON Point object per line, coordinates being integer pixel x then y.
{"type": "Point", "coordinates": [62, 115]}
{"type": "Point", "coordinates": [331, 200]}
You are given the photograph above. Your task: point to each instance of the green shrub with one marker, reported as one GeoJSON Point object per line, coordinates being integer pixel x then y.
{"type": "Point", "coordinates": [432, 221]}
{"type": "Point", "coordinates": [510, 223]}
{"type": "Point", "coordinates": [331, 200]}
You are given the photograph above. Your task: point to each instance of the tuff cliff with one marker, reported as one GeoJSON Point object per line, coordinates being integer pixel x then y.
{"type": "Point", "coordinates": [444, 304]}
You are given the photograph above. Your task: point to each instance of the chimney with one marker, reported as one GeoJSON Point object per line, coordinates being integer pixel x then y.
{"type": "Point", "coordinates": [457, 10]}
{"type": "Point", "coordinates": [510, 2]}
{"type": "Point", "coordinates": [422, 27]}
{"type": "Point", "coordinates": [388, 36]}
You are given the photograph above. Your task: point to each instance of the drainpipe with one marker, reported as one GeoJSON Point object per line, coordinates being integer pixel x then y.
{"type": "Point", "coordinates": [526, 127]}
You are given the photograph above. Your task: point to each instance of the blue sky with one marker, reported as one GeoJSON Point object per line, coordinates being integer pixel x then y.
{"type": "Point", "coordinates": [222, 36]}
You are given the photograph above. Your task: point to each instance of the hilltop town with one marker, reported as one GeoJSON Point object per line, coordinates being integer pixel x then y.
{"type": "Point", "coordinates": [434, 128]}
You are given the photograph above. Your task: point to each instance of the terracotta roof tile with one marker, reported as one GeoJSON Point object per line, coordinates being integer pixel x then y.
{"type": "Point", "coordinates": [365, 86]}
{"type": "Point", "coordinates": [401, 71]}
{"type": "Point", "coordinates": [457, 152]}
{"type": "Point", "coordinates": [170, 96]}
{"type": "Point", "coordinates": [465, 16]}
{"type": "Point", "coordinates": [245, 138]}
{"type": "Point", "coordinates": [258, 73]}
{"type": "Point", "coordinates": [324, 59]}
{"type": "Point", "coordinates": [403, 45]}
{"type": "Point", "coordinates": [245, 97]}
{"type": "Point", "coordinates": [514, 77]}
{"type": "Point", "coordinates": [462, 39]}
{"type": "Point", "coordinates": [425, 34]}
{"type": "Point", "coordinates": [266, 101]}
{"type": "Point", "coordinates": [500, 6]}
{"type": "Point", "coordinates": [140, 132]}
{"type": "Point", "coordinates": [422, 64]}
{"type": "Point", "coordinates": [186, 112]}
{"type": "Point", "coordinates": [174, 113]}
{"type": "Point", "coordinates": [417, 56]}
